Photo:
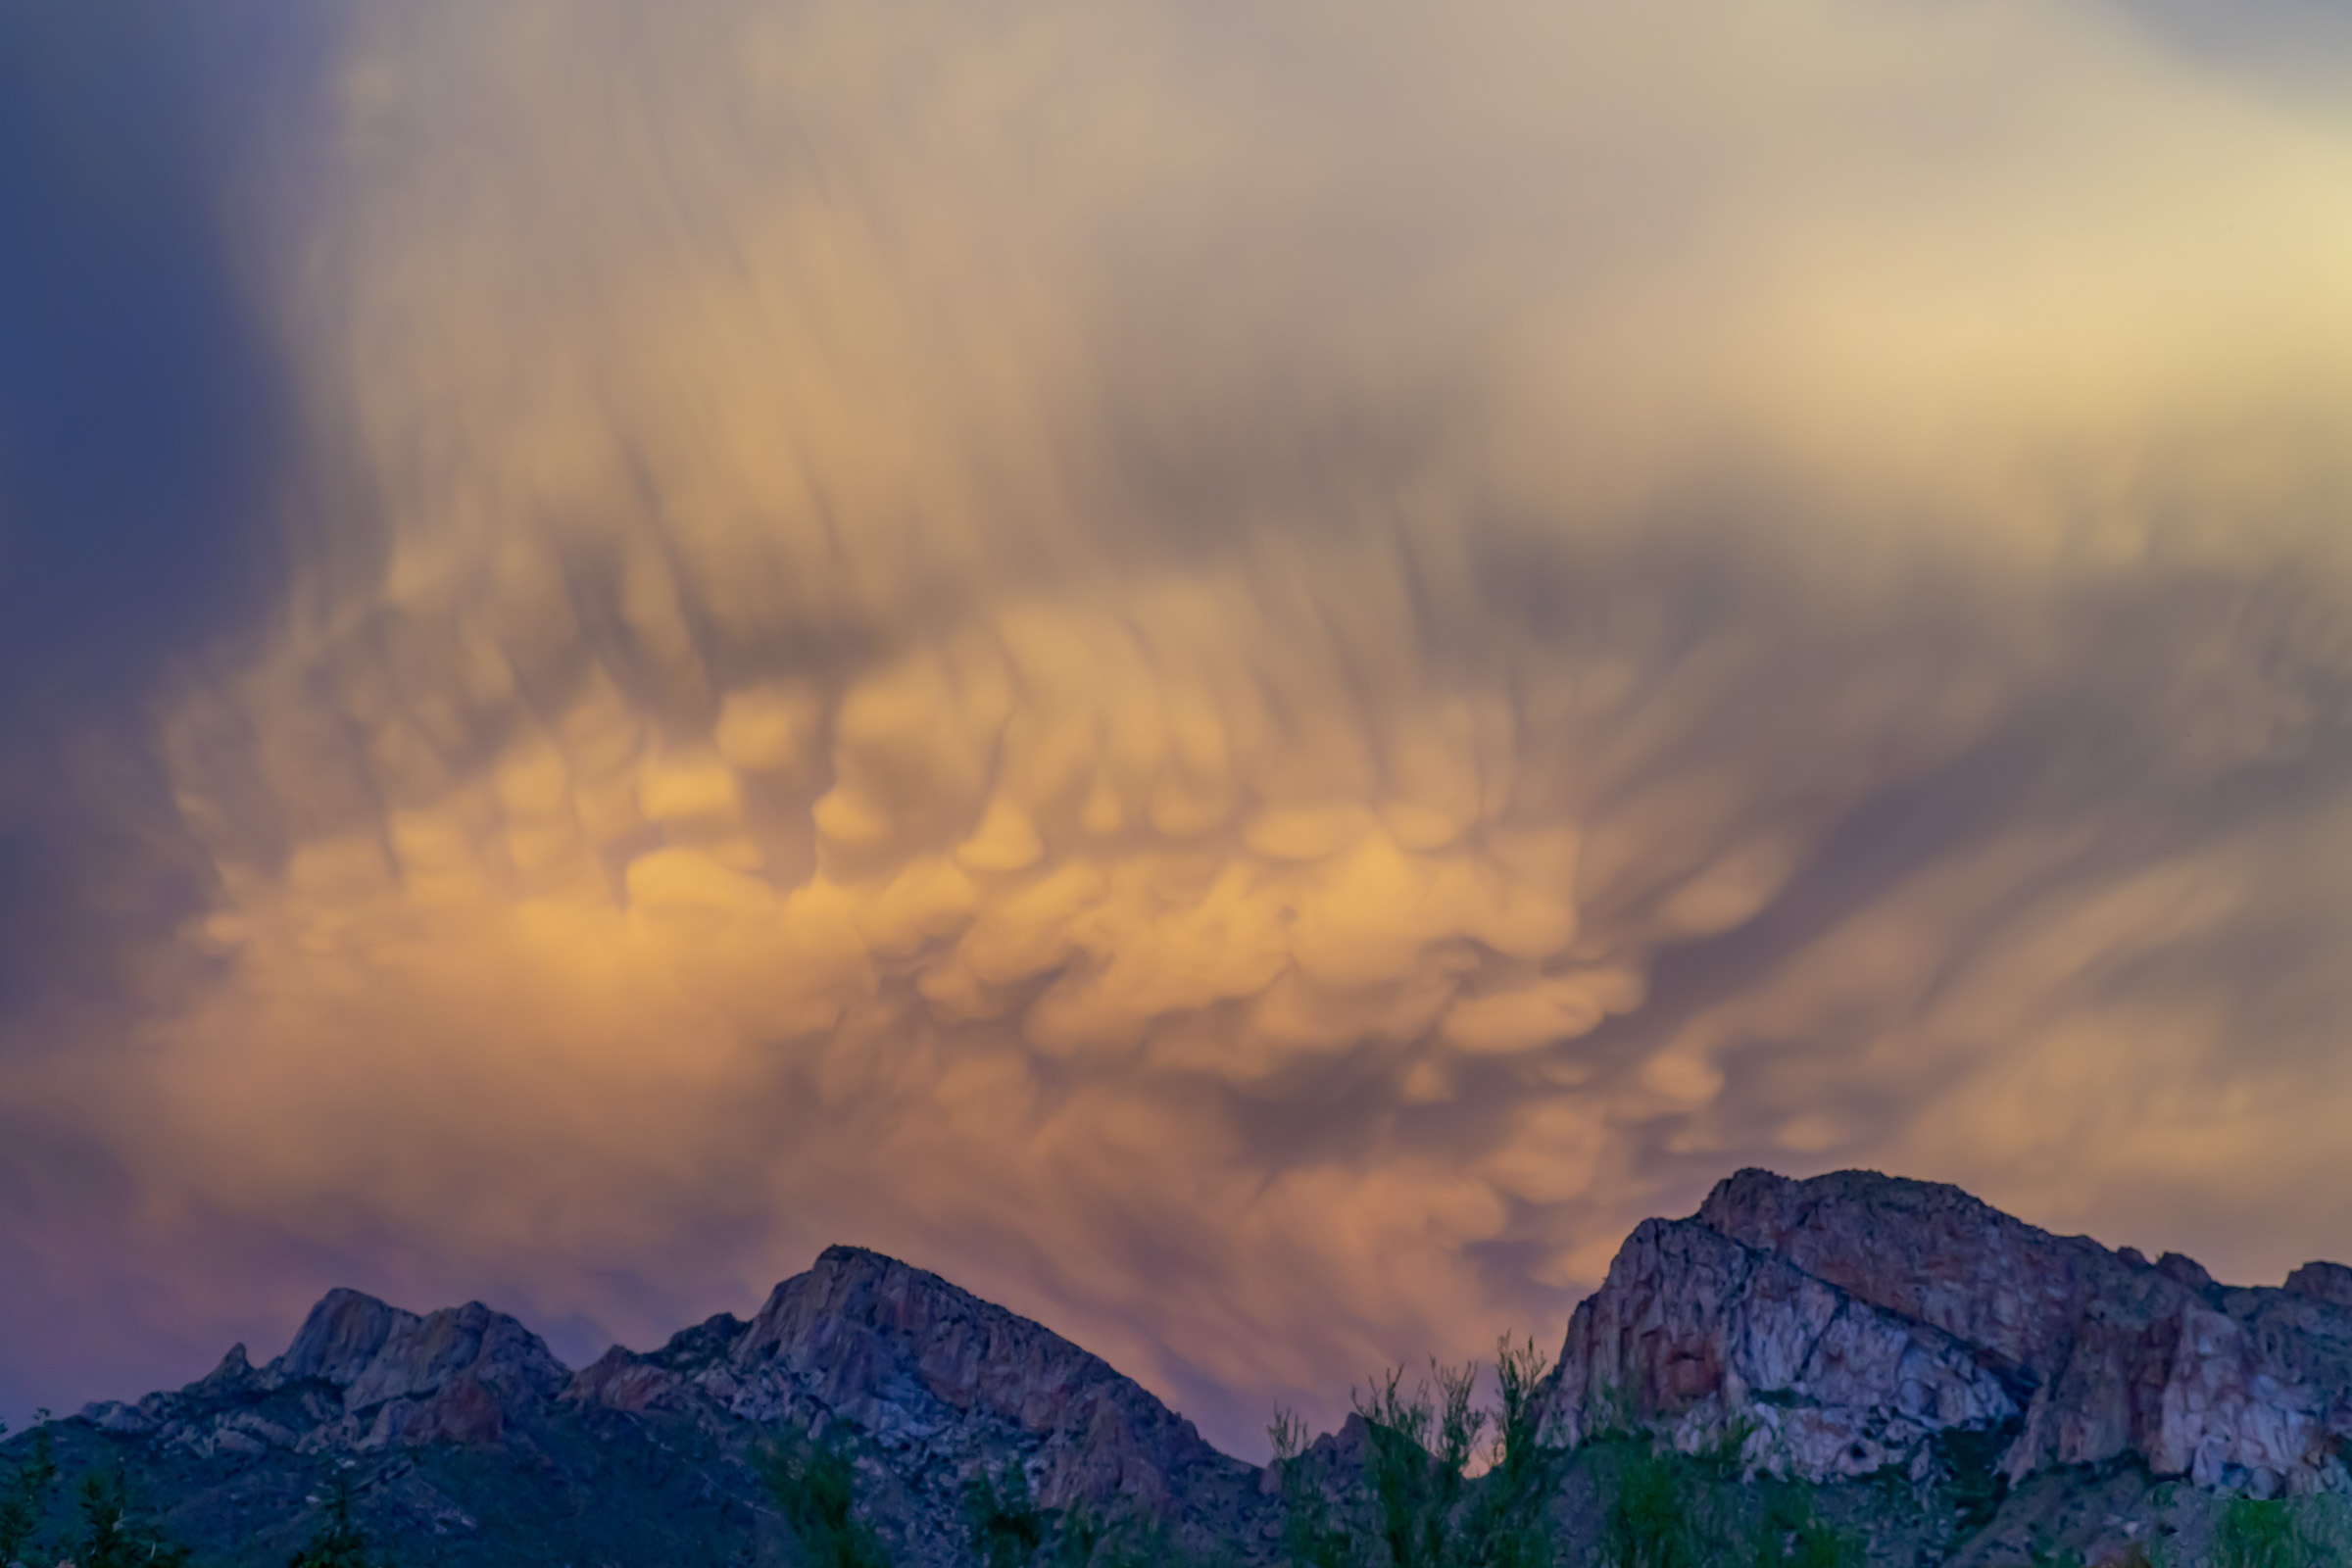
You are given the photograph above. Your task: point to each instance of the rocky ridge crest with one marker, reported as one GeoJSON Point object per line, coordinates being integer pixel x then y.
{"type": "Point", "coordinates": [1849, 1326]}
{"type": "Point", "coordinates": [928, 1385]}
{"type": "Point", "coordinates": [1837, 1326]}
{"type": "Point", "coordinates": [939, 1383]}
{"type": "Point", "coordinates": [359, 1376]}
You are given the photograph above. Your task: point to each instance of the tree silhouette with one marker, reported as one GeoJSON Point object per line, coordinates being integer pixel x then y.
{"type": "Point", "coordinates": [25, 1497]}
{"type": "Point", "coordinates": [339, 1542]}
{"type": "Point", "coordinates": [815, 1485]}
{"type": "Point", "coordinates": [112, 1536]}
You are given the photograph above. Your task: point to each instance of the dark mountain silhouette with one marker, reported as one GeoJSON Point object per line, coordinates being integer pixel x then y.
{"type": "Point", "coordinates": [1943, 1384]}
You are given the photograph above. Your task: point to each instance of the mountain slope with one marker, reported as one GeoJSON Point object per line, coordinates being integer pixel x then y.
{"type": "Point", "coordinates": [1857, 1325]}
{"type": "Point", "coordinates": [1951, 1384]}
{"type": "Point", "coordinates": [468, 1442]}
{"type": "Point", "coordinates": [940, 1386]}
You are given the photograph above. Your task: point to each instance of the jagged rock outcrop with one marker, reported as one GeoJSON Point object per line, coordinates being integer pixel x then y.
{"type": "Point", "coordinates": [2323, 1282]}
{"type": "Point", "coordinates": [1694, 1332]}
{"type": "Point", "coordinates": [1854, 1316]}
{"type": "Point", "coordinates": [361, 1375]}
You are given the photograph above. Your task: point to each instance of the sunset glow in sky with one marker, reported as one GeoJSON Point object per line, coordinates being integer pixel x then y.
{"type": "Point", "coordinates": [1244, 675]}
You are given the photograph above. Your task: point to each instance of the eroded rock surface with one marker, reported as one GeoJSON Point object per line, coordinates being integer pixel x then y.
{"type": "Point", "coordinates": [1852, 1318]}
{"type": "Point", "coordinates": [1701, 1335]}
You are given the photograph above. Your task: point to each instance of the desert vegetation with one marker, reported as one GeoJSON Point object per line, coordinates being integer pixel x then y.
{"type": "Point", "coordinates": [98, 1520]}
{"type": "Point", "coordinates": [1425, 1475]}
{"type": "Point", "coordinates": [102, 1528]}
{"type": "Point", "coordinates": [338, 1542]}
{"type": "Point", "coordinates": [1442, 1481]}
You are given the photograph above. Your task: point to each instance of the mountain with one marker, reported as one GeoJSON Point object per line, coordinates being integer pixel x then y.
{"type": "Point", "coordinates": [471, 1444]}
{"type": "Point", "coordinates": [1946, 1384]}
{"type": "Point", "coordinates": [1857, 1325]}
{"type": "Point", "coordinates": [1852, 1318]}
{"type": "Point", "coordinates": [943, 1385]}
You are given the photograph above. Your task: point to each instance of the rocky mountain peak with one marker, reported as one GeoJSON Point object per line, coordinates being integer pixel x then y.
{"type": "Point", "coordinates": [341, 1337]}
{"type": "Point", "coordinates": [852, 1285]}
{"type": "Point", "coordinates": [941, 1382]}
{"type": "Point", "coordinates": [234, 1371]}
{"type": "Point", "coordinates": [374, 1352]}
{"type": "Point", "coordinates": [877, 1340]}
{"type": "Point", "coordinates": [360, 1374]}
{"type": "Point", "coordinates": [2186, 1272]}
{"type": "Point", "coordinates": [2323, 1282]}
{"type": "Point", "coordinates": [1845, 1321]}
{"type": "Point", "coordinates": [1920, 1249]}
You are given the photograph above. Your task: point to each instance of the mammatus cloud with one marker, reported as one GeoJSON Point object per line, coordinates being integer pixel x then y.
{"type": "Point", "coordinates": [1244, 678]}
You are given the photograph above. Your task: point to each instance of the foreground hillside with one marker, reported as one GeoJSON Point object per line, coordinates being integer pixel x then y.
{"type": "Point", "coordinates": [1853, 1368]}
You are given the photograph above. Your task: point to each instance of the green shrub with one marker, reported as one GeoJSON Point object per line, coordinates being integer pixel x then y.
{"type": "Point", "coordinates": [24, 1501]}
{"type": "Point", "coordinates": [1310, 1538]}
{"type": "Point", "coordinates": [2266, 1535]}
{"type": "Point", "coordinates": [1420, 1445]}
{"type": "Point", "coordinates": [338, 1542]}
{"type": "Point", "coordinates": [1006, 1528]}
{"type": "Point", "coordinates": [112, 1537]}
{"type": "Point", "coordinates": [1507, 1528]}
{"type": "Point", "coordinates": [1652, 1520]}
{"type": "Point", "coordinates": [1791, 1534]}
{"type": "Point", "coordinates": [815, 1486]}
{"type": "Point", "coordinates": [1974, 1484]}
{"type": "Point", "coordinates": [1419, 1508]}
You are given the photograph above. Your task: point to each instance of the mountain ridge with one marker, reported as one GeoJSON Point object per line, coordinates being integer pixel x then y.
{"type": "Point", "coordinates": [1851, 1317]}
{"type": "Point", "coordinates": [1835, 1330]}
{"type": "Point", "coordinates": [932, 1386]}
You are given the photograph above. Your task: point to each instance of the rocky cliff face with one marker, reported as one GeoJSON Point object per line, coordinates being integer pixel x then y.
{"type": "Point", "coordinates": [1704, 1335]}
{"type": "Point", "coordinates": [1839, 1325]}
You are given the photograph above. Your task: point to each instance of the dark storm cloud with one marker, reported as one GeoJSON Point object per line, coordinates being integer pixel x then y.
{"type": "Point", "coordinates": [142, 454]}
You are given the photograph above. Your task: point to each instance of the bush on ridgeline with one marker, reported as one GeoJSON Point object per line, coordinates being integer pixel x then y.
{"type": "Point", "coordinates": [1420, 1508]}
{"type": "Point", "coordinates": [814, 1485]}
{"type": "Point", "coordinates": [1311, 1538]}
{"type": "Point", "coordinates": [1508, 1530]}
{"type": "Point", "coordinates": [1421, 1443]}
{"type": "Point", "coordinates": [25, 1494]}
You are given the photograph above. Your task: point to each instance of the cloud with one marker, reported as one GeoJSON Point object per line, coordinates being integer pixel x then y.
{"type": "Point", "coordinates": [1245, 676]}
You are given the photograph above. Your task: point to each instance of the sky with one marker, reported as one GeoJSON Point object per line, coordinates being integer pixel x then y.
{"type": "Point", "coordinates": [1244, 675]}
